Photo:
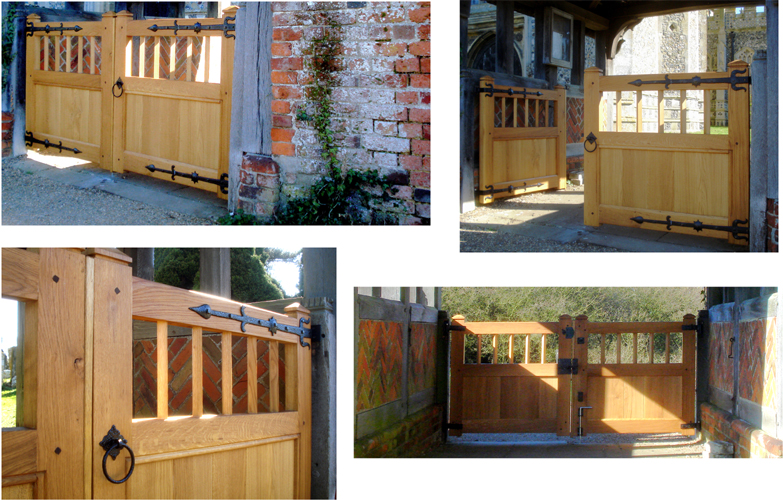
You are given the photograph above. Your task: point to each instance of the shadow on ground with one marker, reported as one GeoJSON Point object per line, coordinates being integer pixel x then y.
{"type": "Point", "coordinates": [553, 221]}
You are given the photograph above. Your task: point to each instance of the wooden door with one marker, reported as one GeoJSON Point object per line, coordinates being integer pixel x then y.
{"type": "Point", "coordinates": [522, 141]}
{"type": "Point", "coordinates": [640, 170]}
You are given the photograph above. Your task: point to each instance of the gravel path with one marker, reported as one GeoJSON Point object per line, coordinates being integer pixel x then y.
{"type": "Point", "coordinates": [34, 200]}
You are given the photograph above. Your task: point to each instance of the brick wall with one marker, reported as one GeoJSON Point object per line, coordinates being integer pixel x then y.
{"type": "Point", "coordinates": [575, 109]}
{"type": "Point", "coordinates": [412, 436]}
{"type": "Point", "coordinates": [8, 132]}
{"type": "Point", "coordinates": [742, 382]}
{"type": "Point", "coordinates": [382, 101]}
{"type": "Point", "coordinates": [145, 374]}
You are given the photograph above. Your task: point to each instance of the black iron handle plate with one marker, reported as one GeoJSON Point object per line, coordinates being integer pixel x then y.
{"type": "Point", "coordinates": [113, 443]}
{"type": "Point", "coordinates": [119, 85]}
{"type": "Point", "coordinates": [592, 139]}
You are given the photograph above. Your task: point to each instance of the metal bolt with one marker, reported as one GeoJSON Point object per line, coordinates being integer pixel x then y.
{"type": "Point", "coordinates": [55, 278]}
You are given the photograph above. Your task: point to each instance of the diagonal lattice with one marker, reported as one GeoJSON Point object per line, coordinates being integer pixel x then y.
{"type": "Point", "coordinates": [757, 362]}
{"type": "Point", "coordinates": [721, 373]}
{"type": "Point", "coordinates": [422, 357]}
{"type": "Point", "coordinates": [575, 119]}
{"type": "Point", "coordinates": [379, 364]}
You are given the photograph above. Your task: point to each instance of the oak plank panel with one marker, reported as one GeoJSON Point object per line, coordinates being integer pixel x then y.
{"type": "Point", "coordinates": [20, 274]}
{"type": "Point", "coordinates": [20, 451]}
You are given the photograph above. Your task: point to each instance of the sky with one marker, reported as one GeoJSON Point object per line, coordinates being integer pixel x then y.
{"type": "Point", "coordinates": [287, 273]}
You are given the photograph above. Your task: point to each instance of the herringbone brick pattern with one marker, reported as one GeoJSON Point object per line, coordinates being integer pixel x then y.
{"type": "Point", "coordinates": [98, 46]}
{"type": "Point", "coordinates": [721, 374]}
{"type": "Point", "coordinates": [180, 376]}
{"type": "Point", "coordinates": [770, 362]}
{"type": "Point", "coordinates": [379, 364]}
{"type": "Point", "coordinates": [757, 362]}
{"type": "Point", "coordinates": [86, 55]}
{"type": "Point", "coordinates": [165, 56]}
{"type": "Point", "coordinates": [62, 55]}
{"type": "Point", "coordinates": [575, 109]}
{"type": "Point", "coordinates": [422, 360]}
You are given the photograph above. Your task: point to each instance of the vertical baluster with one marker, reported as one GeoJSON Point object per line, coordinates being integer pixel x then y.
{"type": "Point", "coordinates": [510, 348]}
{"type": "Point", "coordinates": [128, 56]}
{"type": "Point", "coordinates": [683, 107]}
{"type": "Point", "coordinates": [80, 55]}
{"type": "Point", "coordinates": [619, 105]}
{"type": "Point", "coordinates": [142, 56]}
{"type": "Point", "coordinates": [639, 112]}
{"type": "Point", "coordinates": [197, 380]}
{"type": "Point", "coordinates": [68, 49]}
{"type": "Point", "coordinates": [478, 356]}
{"type": "Point", "coordinates": [163, 369]}
{"type": "Point", "coordinates": [93, 64]}
{"type": "Point", "coordinates": [619, 347]}
{"type": "Point", "coordinates": [514, 102]}
{"type": "Point", "coordinates": [494, 349]}
{"type": "Point", "coordinates": [252, 375]}
{"type": "Point", "coordinates": [667, 351]}
{"type": "Point", "coordinates": [661, 111]}
{"type": "Point", "coordinates": [707, 111]}
{"type": "Point", "coordinates": [527, 112]}
{"type": "Point", "coordinates": [603, 348]}
{"type": "Point", "coordinates": [205, 50]}
{"type": "Point", "coordinates": [172, 57]}
{"type": "Point", "coordinates": [527, 348]}
{"type": "Point", "coordinates": [156, 57]}
{"type": "Point", "coordinates": [536, 120]}
{"type": "Point", "coordinates": [635, 347]}
{"type": "Point", "coordinates": [274, 375]}
{"type": "Point", "coordinates": [543, 349]}
{"type": "Point", "coordinates": [652, 346]}
{"type": "Point", "coordinates": [227, 375]}
{"type": "Point", "coordinates": [189, 60]}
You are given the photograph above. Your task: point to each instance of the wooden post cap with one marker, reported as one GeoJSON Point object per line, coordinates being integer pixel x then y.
{"type": "Point", "coordinates": [565, 317]}
{"type": "Point", "coordinates": [458, 317]}
{"type": "Point", "coordinates": [296, 310]}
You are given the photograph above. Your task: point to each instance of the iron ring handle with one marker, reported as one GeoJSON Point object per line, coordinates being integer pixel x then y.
{"type": "Point", "coordinates": [121, 444]}
{"type": "Point", "coordinates": [590, 150]}
{"type": "Point", "coordinates": [117, 84]}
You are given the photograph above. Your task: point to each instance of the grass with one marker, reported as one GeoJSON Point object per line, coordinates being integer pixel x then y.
{"type": "Point", "coordinates": [9, 407]}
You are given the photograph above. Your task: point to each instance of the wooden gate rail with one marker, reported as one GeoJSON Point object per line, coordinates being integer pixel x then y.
{"type": "Point", "coordinates": [168, 111]}
{"type": "Point", "coordinates": [643, 395]}
{"type": "Point", "coordinates": [653, 174]}
{"type": "Point", "coordinates": [520, 149]}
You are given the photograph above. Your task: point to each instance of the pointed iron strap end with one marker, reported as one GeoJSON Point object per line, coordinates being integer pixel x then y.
{"type": "Point", "coordinates": [150, 167]}
{"type": "Point", "coordinates": [203, 310]}
{"type": "Point", "coordinates": [154, 27]}
{"type": "Point", "coordinates": [639, 219]}
{"type": "Point", "coordinates": [76, 151]}
{"type": "Point", "coordinates": [638, 83]}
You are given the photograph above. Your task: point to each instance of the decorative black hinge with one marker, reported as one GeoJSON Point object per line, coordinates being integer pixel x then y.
{"type": "Point", "coordinates": [697, 80]}
{"type": "Point", "coordinates": [222, 182]}
{"type": "Point", "coordinates": [692, 328]}
{"type": "Point", "coordinates": [691, 425]}
{"type": "Point", "coordinates": [197, 27]}
{"type": "Point", "coordinates": [491, 190]}
{"type": "Point", "coordinates": [30, 29]}
{"type": "Point", "coordinates": [567, 366]}
{"type": "Point", "coordinates": [491, 90]}
{"type": "Point", "coordinates": [29, 139]}
{"type": "Point", "coordinates": [569, 332]}
{"type": "Point", "coordinates": [206, 312]}
{"type": "Point", "coordinates": [738, 232]}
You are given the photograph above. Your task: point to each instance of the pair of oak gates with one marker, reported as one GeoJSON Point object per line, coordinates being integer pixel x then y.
{"type": "Point", "coordinates": [636, 377]}
{"type": "Point", "coordinates": [637, 173]}
{"type": "Point", "coordinates": [138, 96]}
{"type": "Point", "coordinates": [77, 435]}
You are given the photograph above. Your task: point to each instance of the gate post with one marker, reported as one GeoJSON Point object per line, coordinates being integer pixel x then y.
{"type": "Point", "coordinates": [564, 351]}
{"type": "Point", "coordinates": [592, 175]}
{"type": "Point", "coordinates": [689, 370]}
{"type": "Point", "coordinates": [560, 117]}
{"type": "Point", "coordinates": [107, 80]}
{"type": "Point", "coordinates": [486, 125]}
{"type": "Point", "coordinates": [457, 360]}
{"type": "Point", "coordinates": [116, 69]}
{"type": "Point", "coordinates": [579, 393]}
{"type": "Point", "coordinates": [739, 141]}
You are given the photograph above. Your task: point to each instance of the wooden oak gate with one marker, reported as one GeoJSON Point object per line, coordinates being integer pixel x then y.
{"type": "Point", "coordinates": [82, 313]}
{"type": "Point", "coordinates": [128, 94]}
{"type": "Point", "coordinates": [522, 141]}
{"type": "Point", "coordinates": [635, 177]}
{"type": "Point", "coordinates": [540, 377]}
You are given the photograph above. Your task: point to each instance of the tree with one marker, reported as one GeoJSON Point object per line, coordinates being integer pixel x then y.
{"type": "Point", "coordinates": [250, 281]}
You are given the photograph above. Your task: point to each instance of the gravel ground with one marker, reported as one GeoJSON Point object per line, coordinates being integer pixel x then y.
{"type": "Point", "coordinates": [33, 200]}
{"type": "Point", "coordinates": [491, 240]}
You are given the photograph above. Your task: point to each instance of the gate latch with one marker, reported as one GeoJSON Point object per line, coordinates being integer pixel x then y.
{"type": "Point", "coordinates": [566, 366]}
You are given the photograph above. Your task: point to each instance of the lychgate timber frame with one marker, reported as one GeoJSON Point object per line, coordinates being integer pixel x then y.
{"type": "Point", "coordinates": [538, 395]}
{"type": "Point", "coordinates": [131, 94]}
{"type": "Point", "coordinates": [77, 406]}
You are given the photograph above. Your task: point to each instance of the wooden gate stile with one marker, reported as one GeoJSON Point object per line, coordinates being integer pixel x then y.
{"type": "Point", "coordinates": [625, 394]}
{"type": "Point", "coordinates": [78, 382]}
{"type": "Point", "coordinates": [687, 176]}
{"type": "Point", "coordinates": [172, 109]}
{"type": "Point", "coordinates": [522, 141]}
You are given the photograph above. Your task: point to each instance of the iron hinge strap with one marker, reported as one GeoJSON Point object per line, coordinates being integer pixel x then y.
{"type": "Point", "coordinates": [206, 312]}
{"type": "Point", "coordinates": [491, 190]}
{"type": "Point", "coordinates": [734, 80]}
{"type": "Point", "coordinates": [735, 229]}
{"type": "Point", "coordinates": [568, 366]}
{"type": "Point", "coordinates": [491, 90]}
{"type": "Point", "coordinates": [30, 28]}
{"type": "Point", "coordinates": [30, 139]}
{"type": "Point", "coordinates": [197, 27]}
{"type": "Point", "coordinates": [222, 182]}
